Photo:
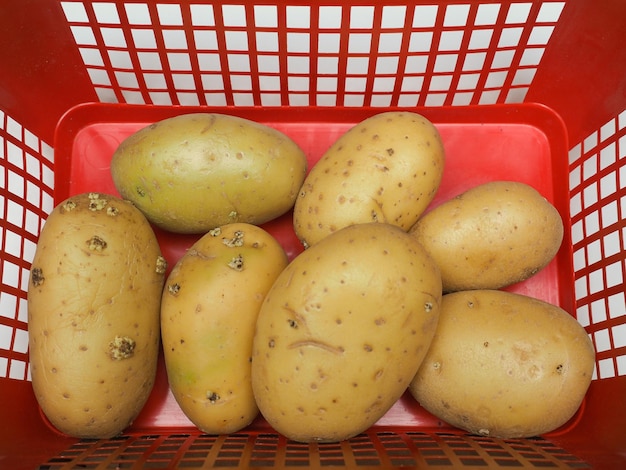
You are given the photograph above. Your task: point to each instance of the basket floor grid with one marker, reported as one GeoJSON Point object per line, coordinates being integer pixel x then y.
{"type": "Point", "coordinates": [375, 449]}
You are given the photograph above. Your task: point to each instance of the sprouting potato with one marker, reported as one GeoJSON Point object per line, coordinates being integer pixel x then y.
{"type": "Point", "coordinates": [210, 304]}
{"type": "Point", "coordinates": [342, 332]}
{"type": "Point", "coordinates": [387, 168]}
{"type": "Point", "coordinates": [491, 236]}
{"type": "Point", "coordinates": [504, 365]}
{"type": "Point", "coordinates": [197, 171]}
{"type": "Point", "coordinates": [93, 315]}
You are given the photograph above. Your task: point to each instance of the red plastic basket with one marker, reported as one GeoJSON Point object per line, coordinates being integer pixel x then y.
{"type": "Point", "coordinates": [528, 90]}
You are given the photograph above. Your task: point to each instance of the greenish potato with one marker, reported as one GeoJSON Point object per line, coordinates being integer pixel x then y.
{"type": "Point", "coordinates": [93, 315]}
{"type": "Point", "coordinates": [342, 332]}
{"type": "Point", "coordinates": [194, 172]}
{"type": "Point", "coordinates": [386, 168]}
{"type": "Point", "coordinates": [504, 365]}
{"type": "Point", "coordinates": [491, 236]}
{"type": "Point", "coordinates": [208, 313]}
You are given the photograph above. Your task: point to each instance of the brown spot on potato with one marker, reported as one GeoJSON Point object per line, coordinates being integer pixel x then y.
{"type": "Point", "coordinates": [96, 202]}
{"type": "Point", "coordinates": [37, 277]}
{"type": "Point", "coordinates": [236, 263]}
{"type": "Point", "coordinates": [68, 206]}
{"type": "Point", "coordinates": [122, 347]}
{"type": "Point", "coordinates": [235, 241]}
{"type": "Point", "coordinates": [212, 396]}
{"type": "Point", "coordinates": [161, 265]}
{"type": "Point", "coordinates": [96, 244]}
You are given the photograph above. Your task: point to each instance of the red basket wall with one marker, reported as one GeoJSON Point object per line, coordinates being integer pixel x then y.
{"type": "Point", "coordinates": [568, 55]}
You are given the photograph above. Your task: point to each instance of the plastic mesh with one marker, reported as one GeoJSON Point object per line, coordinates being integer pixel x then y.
{"type": "Point", "coordinates": [26, 184]}
{"type": "Point", "coordinates": [300, 55]}
{"type": "Point", "coordinates": [598, 210]}
{"type": "Point", "coordinates": [370, 450]}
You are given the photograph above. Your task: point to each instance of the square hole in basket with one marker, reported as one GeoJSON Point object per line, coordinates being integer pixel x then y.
{"type": "Point", "coordinates": [264, 450]}
{"type": "Point", "coordinates": [429, 449]}
{"type": "Point", "coordinates": [297, 454]}
{"type": "Point", "coordinates": [331, 454]}
{"type": "Point", "coordinates": [397, 450]}
{"type": "Point", "coordinates": [364, 451]}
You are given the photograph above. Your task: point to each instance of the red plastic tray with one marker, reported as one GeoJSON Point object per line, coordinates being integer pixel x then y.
{"type": "Point", "coordinates": [521, 142]}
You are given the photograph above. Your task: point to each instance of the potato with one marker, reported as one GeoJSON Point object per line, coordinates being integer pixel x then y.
{"type": "Point", "coordinates": [504, 365]}
{"type": "Point", "coordinates": [198, 171]}
{"type": "Point", "coordinates": [342, 332]}
{"type": "Point", "coordinates": [93, 315]}
{"type": "Point", "coordinates": [491, 236]}
{"type": "Point", "coordinates": [387, 168]}
{"type": "Point", "coordinates": [208, 315]}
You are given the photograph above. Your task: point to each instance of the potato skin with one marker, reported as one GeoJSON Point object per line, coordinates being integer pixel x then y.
{"type": "Point", "coordinates": [504, 365]}
{"type": "Point", "coordinates": [208, 314]}
{"type": "Point", "coordinates": [491, 236]}
{"type": "Point", "coordinates": [93, 315]}
{"type": "Point", "coordinates": [342, 332]}
{"type": "Point", "coordinates": [386, 168]}
{"type": "Point", "coordinates": [197, 171]}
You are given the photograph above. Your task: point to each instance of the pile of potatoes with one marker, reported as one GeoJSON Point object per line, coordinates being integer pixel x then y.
{"type": "Point", "coordinates": [387, 296]}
